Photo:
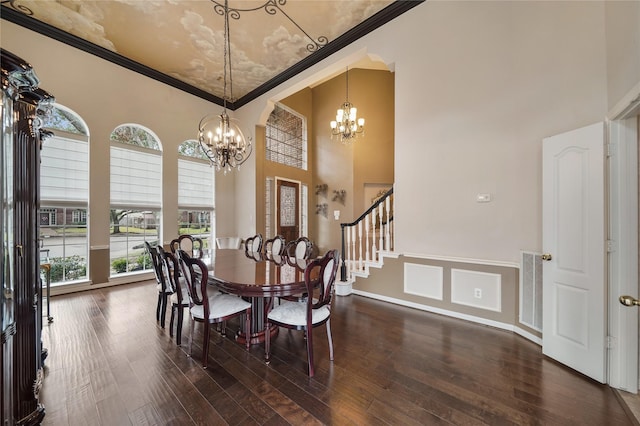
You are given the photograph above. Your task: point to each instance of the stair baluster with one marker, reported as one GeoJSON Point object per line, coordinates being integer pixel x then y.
{"type": "Point", "coordinates": [380, 229]}
{"type": "Point", "coordinates": [367, 255]}
{"type": "Point", "coordinates": [374, 250]}
{"type": "Point", "coordinates": [360, 264]}
{"type": "Point", "coordinates": [387, 236]}
{"type": "Point", "coordinates": [377, 219]}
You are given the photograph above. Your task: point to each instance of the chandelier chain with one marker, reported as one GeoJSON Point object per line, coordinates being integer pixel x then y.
{"type": "Point", "coordinates": [227, 56]}
{"type": "Point", "coordinates": [347, 79]}
{"type": "Point", "coordinates": [220, 136]}
{"type": "Point", "coordinates": [347, 126]}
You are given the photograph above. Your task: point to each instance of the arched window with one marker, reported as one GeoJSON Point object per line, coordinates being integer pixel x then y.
{"type": "Point", "coordinates": [136, 197]}
{"type": "Point", "coordinates": [196, 193]}
{"type": "Point", "coordinates": [64, 195]}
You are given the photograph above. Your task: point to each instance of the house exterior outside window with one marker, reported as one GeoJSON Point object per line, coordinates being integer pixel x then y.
{"type": "Point", "coordinates": [136, 198]}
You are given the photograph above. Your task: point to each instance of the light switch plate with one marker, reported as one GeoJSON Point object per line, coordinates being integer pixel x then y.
{"type": "Point", "coordinates": [483, 198]}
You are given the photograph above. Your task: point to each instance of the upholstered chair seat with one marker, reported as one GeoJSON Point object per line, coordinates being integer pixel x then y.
{"type": "Point", "coordinates": [295, 313]}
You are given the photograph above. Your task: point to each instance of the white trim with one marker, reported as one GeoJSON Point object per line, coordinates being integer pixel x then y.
{"type": "Point", "coordinates": [453, 314]}
{"type": "Point", "coordinates": [500, 263]}
{"type": "Point", "coordinates": [623, 259]}
{"type": "Point", "coordinates": [131, 278]}
{"type": "Point", "coordinates": [275, 202]}
{"type": "Point", "coordinates": [524, 333]}
{"type": "Point", "coordinates": [628, 104]}
{"type": "Point", "coordinates": [101, 247]}
{"type": "Point", "coordinates": [385, 253]}
{"type": "Point", "coordinates": [344, 288]}
{"type": "Point", "coordinates": [58, 290]}
{"type": "Point", "coordinates": [622, 358]}
{"type": "Point", "coordinates": [197, 208]}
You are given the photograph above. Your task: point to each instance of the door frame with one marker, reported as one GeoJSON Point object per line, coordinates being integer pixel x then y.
{"type": "Point", "coordinates": [275, 202]}
{"type": "Point", "coordinates": [622, 259]}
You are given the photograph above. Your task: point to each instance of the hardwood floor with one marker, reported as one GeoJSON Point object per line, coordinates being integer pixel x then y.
{"type": "Point", "coordinates": [110, 364]}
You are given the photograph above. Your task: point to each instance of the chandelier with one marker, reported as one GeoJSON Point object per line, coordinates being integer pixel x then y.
{"type": "Point", "coordinates": [220, 136]}
{"type": "Point", "coordinates": [347, 126]}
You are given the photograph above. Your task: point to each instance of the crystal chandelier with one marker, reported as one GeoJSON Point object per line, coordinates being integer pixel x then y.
{"type": "Point", "coordinates": [220, 136]}
{"type": "Point", "coordinates": [347, 126]}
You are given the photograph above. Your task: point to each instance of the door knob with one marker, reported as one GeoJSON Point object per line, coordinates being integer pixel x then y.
{"type": "Point", "coordinates": [546, 256]}
{"type": "Point", "coordinates": [629, 301]}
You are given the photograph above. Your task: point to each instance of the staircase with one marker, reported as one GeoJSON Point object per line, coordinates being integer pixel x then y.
{"type": "Point", "coordinates": [366, 242]}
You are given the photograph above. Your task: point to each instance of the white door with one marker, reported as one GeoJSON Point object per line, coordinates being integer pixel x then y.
{"type": "Point", "coordinates": [574, 290]}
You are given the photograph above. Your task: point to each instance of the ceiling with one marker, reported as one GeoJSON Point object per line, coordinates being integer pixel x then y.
{"type": "Point", "coordinates": [180, 42]}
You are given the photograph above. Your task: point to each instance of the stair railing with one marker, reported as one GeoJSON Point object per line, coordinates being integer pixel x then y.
{"type": "Point", "coordinates": [372, 233]}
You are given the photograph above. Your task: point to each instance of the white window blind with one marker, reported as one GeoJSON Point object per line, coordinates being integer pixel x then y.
{"type": "Point", "coordinates": [136, 178]}
{"type": "Point", "coordinates": [64, 173]}
{"type": "Point", "coordinates": [195, 185]}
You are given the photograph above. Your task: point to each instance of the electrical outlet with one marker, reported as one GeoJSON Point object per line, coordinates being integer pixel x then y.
{"type": "Point", "coordinates": [477, 293]}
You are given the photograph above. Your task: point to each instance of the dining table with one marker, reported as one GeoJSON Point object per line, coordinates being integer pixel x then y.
{"type": "Point", "coordinates": [257, 277]}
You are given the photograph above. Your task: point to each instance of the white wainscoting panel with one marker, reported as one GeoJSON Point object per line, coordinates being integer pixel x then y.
{"type": "Point", "coordinates": [424, 280]}
{"type": "Point", "coordinates": [478, 289]}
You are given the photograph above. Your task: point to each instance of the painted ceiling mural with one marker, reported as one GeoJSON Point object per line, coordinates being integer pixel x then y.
{"type": "Point", "coordinates": [184, 39]}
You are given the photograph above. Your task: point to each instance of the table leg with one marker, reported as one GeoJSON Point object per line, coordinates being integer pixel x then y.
{"type": "Point", "coordinates": [259, 309]}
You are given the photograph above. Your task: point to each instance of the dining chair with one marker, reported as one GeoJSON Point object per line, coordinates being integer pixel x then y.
{"type": "Point", "coordinates": [315, 310]}
{"type": "Point", "coordinates": [297, 253]}
{"type": "Point", "coordinates": [275, 246]}
{"type": "Point", "coordinates": [164, 288]}
{"type": "Point", "coordinates": [253, 244]}
{"type": "Point", "coordinates": [300, 248]}
{"type": "Point", "coordinates": [179, 297]}
{"type": "Point", "coordinates": [209, 308]}
{"type": "Point", "coordinates": [189, 243]}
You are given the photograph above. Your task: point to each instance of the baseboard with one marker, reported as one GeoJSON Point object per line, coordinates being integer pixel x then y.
{"type": "Point", "coordinates": [452, 314]}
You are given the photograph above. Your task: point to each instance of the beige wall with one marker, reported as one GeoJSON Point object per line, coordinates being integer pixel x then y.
{"type": "Point", "coordinates": [495, 79]}
{"type": "Point", "coordinates": [373, 158]}
{"type": "Point", "coordinates": [623, 47]}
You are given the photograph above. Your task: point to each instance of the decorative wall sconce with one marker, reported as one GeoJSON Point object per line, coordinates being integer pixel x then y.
{"type": "Point", "coordinates": [339, 195]}
{"type": "Point", "coordinates": [322, 209]}
{"type": "Point", "coordinates": [322, 189]}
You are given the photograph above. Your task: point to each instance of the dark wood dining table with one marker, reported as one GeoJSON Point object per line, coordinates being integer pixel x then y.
{"type": "Point", "coordinates": [257, 277]}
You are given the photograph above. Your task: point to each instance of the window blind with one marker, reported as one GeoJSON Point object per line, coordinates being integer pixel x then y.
{"type": "Point", "coordinates": [195, 185]}
{"type": "Point", "coordinates": [64, 171]}
{"type": "Point", "coordinates": [136, 178]}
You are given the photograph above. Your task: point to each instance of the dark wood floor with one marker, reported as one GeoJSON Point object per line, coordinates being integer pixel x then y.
{"type": "Point", "coordinates": [110, 364]}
